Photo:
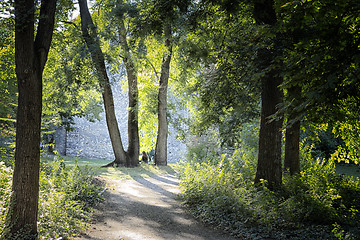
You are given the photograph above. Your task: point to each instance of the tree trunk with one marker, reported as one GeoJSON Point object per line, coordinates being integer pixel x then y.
{"type": "Point", "coordinates": [161, 141]}
{"type": "Point", "coordinates": [65, 142]}
{"type": "Point", "coordinates": [93, 43]}
{"type": "Point", "coordinates": [133, 119]}
{"type": "Point", "coordinates": [30, 57]}
{"type": "Point", "coordinates": [292, 159]}
{"type": "Point", "coordinates": [269, 158]}
{"type": "Point", "coordinates": [292, 135]}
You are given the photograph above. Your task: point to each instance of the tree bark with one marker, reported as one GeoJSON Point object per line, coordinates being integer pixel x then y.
{"type": "Point", "coordinates": [30, 58]}
{"type": "Point", "coordinates": [292, 159]}
{"type": "Point", "coordinates": [161, 141]}
{"type": "Point", "coordinates": [269, 158]}
{"type": "Point", "coordinates": [133, 119]}
{"type": "Point", "coordinates": [292, 135]}
{"type": "Point", "coordinates": [90, 35]}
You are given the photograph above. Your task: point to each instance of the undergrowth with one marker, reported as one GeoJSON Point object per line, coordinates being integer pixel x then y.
{"type": "Point", "coordinates": [317, 204]}
{"type": "Point", "coordinates": [67, 195]}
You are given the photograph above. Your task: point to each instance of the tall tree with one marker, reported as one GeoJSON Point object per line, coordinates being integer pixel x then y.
{"type": "Point", "coordinates": [159, 19]}
{"type": "Point", "coordinates": [236, 65]}
{"type": "Point", "coordinates": [161, 141]}
{"type": "Point", "coordinates": [30, 58]}
{"type": "Point", "coordinates": [133, 112]}
{"type": "Point", "coordinates": [92, 40]}
{"type": "Point", "coordinates": [269, 166]}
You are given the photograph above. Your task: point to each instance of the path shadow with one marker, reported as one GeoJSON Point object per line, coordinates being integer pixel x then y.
{"type": "Point", "coordinates": [162, 191]}
{"type": "Point", "coordinates": [166, 222]}
{"type": "Point", "coordinates": [147, 207]}
{"type": "Point", "coordinates": [174, 180]}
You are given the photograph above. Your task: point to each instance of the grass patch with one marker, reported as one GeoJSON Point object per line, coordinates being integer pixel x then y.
{"type": "Point", "coordinates": [143, 170]}
{"type": "Point", "coordinates": [348, 169]}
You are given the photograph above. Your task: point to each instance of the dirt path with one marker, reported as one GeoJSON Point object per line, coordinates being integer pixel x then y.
{"type": "Point", "coordinates": [147, 209]}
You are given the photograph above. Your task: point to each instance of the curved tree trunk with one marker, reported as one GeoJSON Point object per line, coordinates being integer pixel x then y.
{"type": "Point", "coordinates": [161, 141]}
{"type": "Point", "coordinates": [30, 60]}
{"type": "Point", "coordinates": [92, 41]}
{"type": "Point", "coordinates": [133, 119]}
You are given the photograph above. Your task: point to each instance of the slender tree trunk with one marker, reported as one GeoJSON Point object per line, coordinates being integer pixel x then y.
{"type": "Point", "coordinates": [292, 159]}
{"type": "Point", "coordinates": [30, 59]}
{"type": "Point", "coordinates": [133, 119]}
{"type": "Point", "coordinates": [65, 144]}
{"type": "Point", "coordinates": [292, 135]}
{"type": "Point", "coordinates": [92, 41]}
{"type": "Point", "coordinates": [269, 158]}
{"type": "Point", "coordinates": [161, 141]}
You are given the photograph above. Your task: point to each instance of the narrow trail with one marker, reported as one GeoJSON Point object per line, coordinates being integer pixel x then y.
{"type": "Point", "coordinates": [147, 209]}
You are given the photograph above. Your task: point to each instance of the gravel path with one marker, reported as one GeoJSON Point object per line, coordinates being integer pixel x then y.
{"type": "Point", "coordinates": [147, 209]}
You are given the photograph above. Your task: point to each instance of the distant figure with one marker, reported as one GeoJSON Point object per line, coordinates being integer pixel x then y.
{"type": "Point", "coordinates": [51, 146]}
{"type": "Point", "coordinates": [151, 155]}
{"type": "Point", "coordinates": [144, 157]}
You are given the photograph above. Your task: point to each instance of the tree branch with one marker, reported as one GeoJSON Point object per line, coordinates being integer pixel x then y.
{"type": "Point", "coordinates": [156, 73]}
{"type": "Point", "coordinates": [43, 37]}
{"type": "Point", "coordinates": [70, 23]}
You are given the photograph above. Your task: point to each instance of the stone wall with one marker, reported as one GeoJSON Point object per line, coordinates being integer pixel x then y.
{"type": "Point", "coordinates": [91, 139]}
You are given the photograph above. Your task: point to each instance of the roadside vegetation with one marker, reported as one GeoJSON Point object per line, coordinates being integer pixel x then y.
{"type": "Point", "coordinates": [70, 188]}
{"type": "Point", "coordinates": [67, 196]}
{"type": "Point", "coordinates": [318, 203]}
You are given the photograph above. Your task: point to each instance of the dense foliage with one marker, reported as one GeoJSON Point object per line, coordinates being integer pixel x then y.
{"type": "Point", "coordinates": [317, 204]}
{"type": "Point", "coordinates": [322, 58]}
{"type": "Point", "coordinates": [70, 87]}
{"type": "Point", "coordinates": [67, 195]}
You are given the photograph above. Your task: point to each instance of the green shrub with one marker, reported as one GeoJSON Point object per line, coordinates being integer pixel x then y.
{"type": "Point", "coordinates": [66, 197]}
{"type": "Point", "coordinates": [222, 192]}
{"type": "Point", "coordinates": [203, 149]}
{"type": "Point", "coordinates": [5, 190]}
{"type": "Point", "coordinates": [65, 200]}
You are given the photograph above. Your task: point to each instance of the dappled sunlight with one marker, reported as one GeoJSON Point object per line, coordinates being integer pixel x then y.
{"type": "Point", "coordinates": [149, 191]}
{"type": "Point", "coordinates": [135, 235]}
{"type": "Point", "coordinates": [133, 190]}
{"type": "Point", "coordinates": [146, 208]}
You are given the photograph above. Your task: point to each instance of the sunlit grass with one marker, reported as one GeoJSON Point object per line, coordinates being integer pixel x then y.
{"type": "Point", "coordinates": [148, 170]}
{"type": "Point", "coordinates": [348, 169]}
{"type": "Point", "coordinates": [116, 173]}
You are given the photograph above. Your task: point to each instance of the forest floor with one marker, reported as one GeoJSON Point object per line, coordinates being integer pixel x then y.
{"type": "Point", "coordinates": [146, 208]}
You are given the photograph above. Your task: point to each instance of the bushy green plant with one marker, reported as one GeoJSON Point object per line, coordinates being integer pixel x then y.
{"type": "Point", "coordinates": [7, 139]}
{"type": "Point", "coordinates": [321, 195]}
{"type": "Point", "coordinates": [222, 192]}
{"type": "Point", "coordinates": [66, 197]}
{"type": "Point", "coordinates": [203, 149]}
{"type": "Point", "coordinates": [212, 188]}
{"type": "Point", "coordinates": [5, 190]}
